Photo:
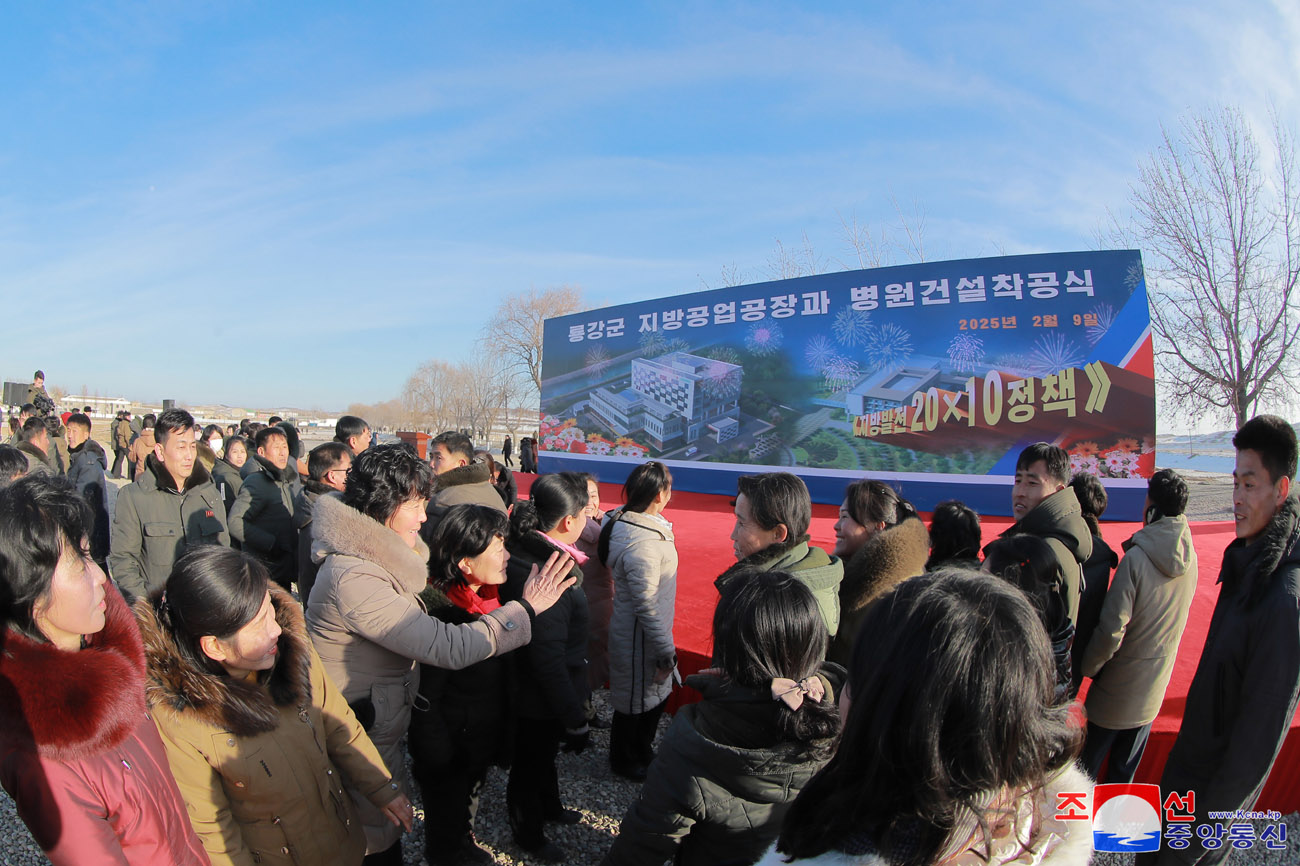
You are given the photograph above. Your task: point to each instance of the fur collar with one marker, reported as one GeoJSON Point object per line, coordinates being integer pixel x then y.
{"type": "Point", "coordinates": [72, 705]}
{"type": "Point", "coordinates": [1255, 563]}
{"type": "Point", "coordinates": [763, 559]}
{"type": "Point", "coordinates": [29, 448]}
{"type": "Point", "coordinates": [474, 473]}
{"type": "Point", "coordinates": [888, 558]}
{"type": "Point", "coordinates": [156, 473]}
{"type": "Point", "coordinates": [244, 708]}
{"type": "Point", "coordinates": [275, 473]}
{"type": "Point", "coordinates": [341, 529]}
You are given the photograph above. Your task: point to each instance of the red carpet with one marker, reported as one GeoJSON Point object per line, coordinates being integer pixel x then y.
{"type": "Point", "coordinates": [702, 524]}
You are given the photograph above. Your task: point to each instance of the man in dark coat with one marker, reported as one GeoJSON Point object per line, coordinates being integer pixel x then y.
{"type": "Point", "coordinates": [34, 442]}
{"type": "Point", "coordinates": [1243, 696]}
{"type": "Point", "coordinates": [328, 466]}
{"type": "Point", "coordinates": [1045, 506]}
{"type": "Point", "coordinates": [121, 441]}
{"type": "Point", "coordinates": [262, 517]}
{"type": "Point", "coordinates": [86, 465]}
{"type": "Point", "coordinates": [507, 448]}
{"type": "Point", "coordinates": [460, 480]}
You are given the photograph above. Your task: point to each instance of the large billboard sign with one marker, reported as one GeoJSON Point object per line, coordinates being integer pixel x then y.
{"type": "Point", "coordinates": [932, 375]}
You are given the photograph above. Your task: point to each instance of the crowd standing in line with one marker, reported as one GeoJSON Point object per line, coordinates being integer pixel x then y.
{"type": "Point", "coordinates": [423, 613]}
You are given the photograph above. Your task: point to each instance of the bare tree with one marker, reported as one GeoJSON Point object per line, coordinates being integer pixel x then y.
{"type": "Point", "coordinates": [427, 396]}
{"type": "Point", "coordinates": [514, 333]}
{"type": "Point", "coordinates": [801, 261]}
{"type": "Point", "coordinates": [879, 247]}
{"type": "Point", "coordinates": [1220, 226]}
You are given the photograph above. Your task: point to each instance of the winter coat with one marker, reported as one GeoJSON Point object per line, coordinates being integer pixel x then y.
{"type": "Point", "coordinates": [1131, 654]}
{"type": "Point", "coordinates": [505, 486]}
{"type": "Point", "coordinates": [154, 523]}
{"type": "Point", "coordinates": [464, 485]}
{"type": "Point", "coordinates": [37, 461]}
{"type": "Point", "coordinates": [1096, 578]}
{"type": "Point", "coordinates": [643, 562]}
{"type": "Point", "coordinates": [40, 398]}
{"type": "Point", "coordinates": [262, 519]}
{"type": "Point", "coordinates": [86, 474]}
{"type": "Point", "coordinates": [1058, 843]}
{"type": "Point", "coordinates": [121, 433]}
{"type": "Point", "coordinates": [551, 671]}
{"type": "Point", "coordinates": [721, 781]}
{"type": "Point", "coordinates": [465, 713]}
{"type": "Point", "coordinates": [57, 456]}
{"type": "Point", "coordinates": [263, 764]}
{"type": "Point", "coordinates": [885, 560]}
{"type": "Point", "coordinates": [370, 631]}
{"type": "Point", "coordinates": [598, 586]}
{"type": "Point", "coordinates": [80, 755]}
{"type": "Point", "coordinates": [816, 568]}
{"type": "Point", "coordinates": [228, 481]}
{"type": "Point", "coordinates": [1243, 696]}
{"type": "Point", "coordinates": [1058, 520]}
{"type": "Point", "coordinates": [303, 503]}
{"type": "Point", "coordinates": [142, 449]}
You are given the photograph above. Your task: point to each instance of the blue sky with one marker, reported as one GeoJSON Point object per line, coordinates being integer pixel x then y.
{"type": "Point", "coordinates": [298, 203]}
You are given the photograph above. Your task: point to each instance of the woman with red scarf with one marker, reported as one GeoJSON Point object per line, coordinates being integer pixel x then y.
{"type": "Point", "coordinates": [460, 727]}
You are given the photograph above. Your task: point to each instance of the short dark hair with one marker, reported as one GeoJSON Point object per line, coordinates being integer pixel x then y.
{"type": "Point", "coordinates": [348, 426]}
{"type": "Point", "coordinates": [273, 420]}
{"type": "Point", "coordinates": [1273, 439]}
{"type": "Point", "coordinates": [1092, 498]}
{"type": "Point", "coordinates": [212, 591]}
{"type": "Point", "coordinates": [39, 374]}
{"type": "Point", "coordinates": [1168, 492]}
{"type": "Point", "coordinates": [147, 422]}
{"type": "Point", "coordinates": [464, 531]}
{"type": "Point", "coordinates": [384, 477]}
{"type": "Point", "coordinates": [1055, 457]}
{"type": "Point", "coordinates": [172, 421]}
{"type": "Point", "coordinates": [87, 409]}
{"type": "Point", "coordinates": [77, 419]}
{"type": "Point", "coordinates": [954, 533]}
{"type": "Point", "coordinates": [40, 518]}
{"type": "Point", "coordinates": [870, 502]}
{"type": "Point", "coordinates": [27, 409]}
{"type": "Point", "coordinates": [456, 443]}
{"type": "Point", "coordinates": [777, 498]}
{"type": "Point", "coordinates": [324, 457]}
{"type": "Point", "coordinates": [33, 427]}
{"type": "Point", "coordinates": [13, 465]}
{"type": "Point", "coordinates": [266, 434]}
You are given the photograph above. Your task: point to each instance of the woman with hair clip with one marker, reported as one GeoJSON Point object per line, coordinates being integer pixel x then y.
{"type": "Point", "coordinates": [78, 752]}
{"type": "Point", "coordinates": [637, 544]}
{"type": "Point", "coordinates": [226, 471]}
{"type": "Point", "coordinates": [259, 739]}
{"type": "Point", "coordinates": [463, 724]}
{"type": "Point", "coordinates": [1027, 562]}
{"type": "Point", "coordinates": [730, 765]}
{"type": "Point", "coordinates": [368, 626]}
{"type": "Point", "coordinates": [551, 672]}
{"type": "Point", "coordinates": [928, 770]}
{"type": "Point", "coordinates": [883, 542]}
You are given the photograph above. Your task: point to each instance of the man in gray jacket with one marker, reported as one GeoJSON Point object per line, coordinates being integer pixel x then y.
{"type": "Point", "coordinates": [459, 480]}
{"type": "Point", "coordinates": [1131, 654]}
{"type": "Point", "coordinates": [171, 506]}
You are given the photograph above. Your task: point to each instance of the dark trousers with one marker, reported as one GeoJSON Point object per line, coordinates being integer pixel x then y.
{"type": "Point", "coordinates": [533, 792]}
{"type": "Point", "coordinates": [119, 456]}
{"type": "Point", "coordinates": [389, 857]}
{"type": "Point", "coordinates": [451, 794]}
{"type": "Point", "coordinates": [631, 738]}
{"type": "Point", "coordinates": [1124, 747]}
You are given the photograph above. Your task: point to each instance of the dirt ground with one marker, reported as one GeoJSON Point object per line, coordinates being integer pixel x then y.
{"type": "Point", "coordinates": [1211, 496]}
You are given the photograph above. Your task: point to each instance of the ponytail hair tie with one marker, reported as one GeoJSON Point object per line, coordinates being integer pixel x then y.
{"type": "Point", "coordinates": [792, 693]}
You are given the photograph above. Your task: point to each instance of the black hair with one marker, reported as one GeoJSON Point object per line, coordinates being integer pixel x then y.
{"type": "Point", "coordinates": [87, 409]}
{"type": "Point", "coordinates": [266, 434]}
{"type": "Point", "coordinates": [209, 430]}
{"type": "Point", "coordinates": [273, 420]}
{"type": "Point", "coordinates": [951, 689]}
{"type": "Point", "coordinates": [348, 426]}
{"type": "Point", "coordinates": [33, 427]}
{"type": "Point", "coordinates": [234, 440]}
{"type": "Point", "coordinates": [484, 456]}
{"type": "Point", "coordinates": [1092, 499]}
{"type": "Point", "coordinates": [172, 421]}
{"type": "Point", "coordinates": [643, 485]}
{"type": "Point", "coordinates": [456, 443]}
{"type": "Point", "coordinates": [464, 531]}
{"type": "Point", "coordinates": [41, 518]}
{"type": "Point", "coordinates": [1273, 439]}
{"type": "Point", "coordinates": [767, 625]}
{"type": "Point", "coordinates": [27, 409]}
{"type": "Point", "coordinates": [1168, 492]}
{"type": "Point", "coordinates": [212, 591]}
{"type": "Point", "coordinates": [79, 419]}
{"type": "Point", "coordinates": [13, 464]}
{"type": "Point", "coordinates": [291, 439]}
{"type": "Point", "coordinates": [870, 502]}
{"type": "Point", "coordinates": [552, 498]}
{"type": "Point", "coordinates": [954, 533]}
{"type": "Point", "coordinates": [324, 457]}
{"type": "Point", "coordinates": [1054, 457]}
{"type": "Point", "coordinates": [777, 498]}
{"type": "Point", "coordinates": [149, 420]}
{"type": "Point", "coordinates": [384, 477]}
{"type": "Point", "coordinates": [39, 374]}
{"type": "Point", "coordinates": [1028, 562]}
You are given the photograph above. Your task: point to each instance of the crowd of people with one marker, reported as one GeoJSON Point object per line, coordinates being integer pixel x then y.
{"type": "Point", "coordinates": [234, 665]}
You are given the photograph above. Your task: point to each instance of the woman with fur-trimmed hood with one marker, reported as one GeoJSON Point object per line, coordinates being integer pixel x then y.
{"type": "Point", "coordinates": [258, 738]}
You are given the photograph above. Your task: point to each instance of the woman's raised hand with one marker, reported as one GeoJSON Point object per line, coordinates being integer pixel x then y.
{"type": "Point", "coordinates": [545, 585]}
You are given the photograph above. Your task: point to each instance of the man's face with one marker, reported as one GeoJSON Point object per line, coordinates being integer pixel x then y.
{"type": "Point", "coordinates": [442, 460]}
{"type": "Point", "coordinates": [1255, 498]}
{"type": "Point", "coordinates": [76, 435]}
{"type": "Point", "coordinates": [177, 454]}
{"type": "Point", "coordinates": [338, 476]}
{"type": "Point", "coordinates": [360, 443]}
{"type": "Point", "coordinates": [747, 536]}
{"type": "Point", "coordinates": [276, 450]}
{"type": "Point", "coordinates": [1032, 486]}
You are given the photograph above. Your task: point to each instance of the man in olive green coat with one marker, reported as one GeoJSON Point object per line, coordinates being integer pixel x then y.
{"type": "Point", "coordinates": [773, 512]}
{"type": "Point", "coordinates": [261, 518]}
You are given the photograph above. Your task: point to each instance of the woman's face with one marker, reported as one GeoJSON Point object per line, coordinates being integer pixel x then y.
{"type": "Point", "coordinates": [236, 454]}
{"type": "Point", "coordinates": [593, 499]}
{"type": "Point", "coordinates": [74, 605]}
{"type": "Point", "coordinates": [407, 520]}
{"type": "Point", "coordinates": [849, 534]}
{"type": "Point", "coordinates": [489, 567]}
{"type": "Point", "coordinates": [253, 647]}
